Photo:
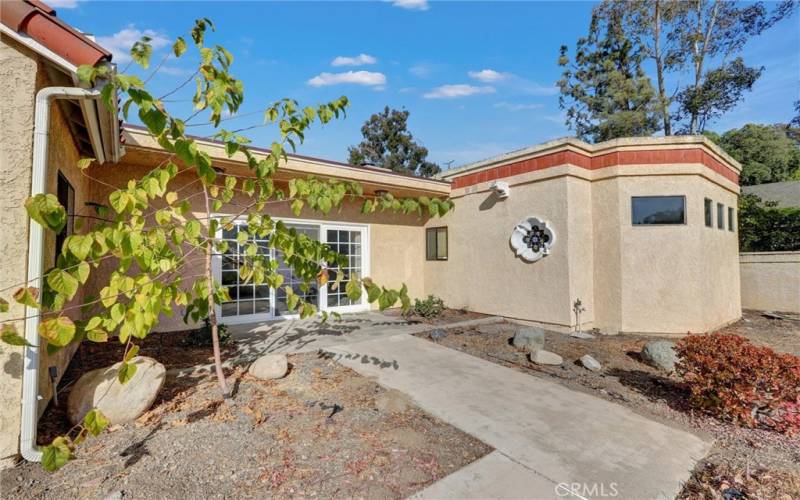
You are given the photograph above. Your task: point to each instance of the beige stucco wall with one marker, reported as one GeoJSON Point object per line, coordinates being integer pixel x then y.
{"type": "Point", "coordinates": [673, 279]}
{"type": "Point", "coordinates": [636, 279]}
{"type": "Point", "coordinates": [482, 273]}
{"type": "Point", "coordinates": [18, 79]}
{"type": "Point", "coordinates": [771, 281]}
{"type": "Point", "coordinates": [396, 254]}
{"type": "Point", "coordinates": [22, 75]}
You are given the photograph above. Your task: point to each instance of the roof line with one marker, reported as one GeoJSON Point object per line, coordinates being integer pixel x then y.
{"type": "Point", "coordinates": [594, 149]}
{"type": "Point", "coordinates": [383, 171]}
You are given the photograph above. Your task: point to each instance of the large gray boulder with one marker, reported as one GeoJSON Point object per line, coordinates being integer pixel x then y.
{"type": "Point", "coordinates": [661, 354]}
{"type": "Point", "coordinates": [530, 338]}
{"type": "Point", "coordinates": [270, 366]}
{"type": "Point", "coordinates": [120, 403]}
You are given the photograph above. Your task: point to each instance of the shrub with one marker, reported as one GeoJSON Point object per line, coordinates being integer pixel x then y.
{"type": "Point", "coordinates": [734, 380]}
{"type": "Point", "coordinates": [430, 307]}
{"type": "Point", "coordinates": [201, 337]}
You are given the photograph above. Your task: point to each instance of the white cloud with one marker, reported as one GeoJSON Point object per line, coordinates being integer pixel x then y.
{"type": "Point", "coordinates": [489, 75]}
{"type": "Point", "coordinates": [359, 60]}
{"type": "Point", "coordinates": [510, 106]}
{"type": "Point", "coordinates": [62, 4]}
{"type": "Point", "coordinates": [411, 4]}
{"type": "Point", "coordinates": [357, 77]}
{"type": "Point", "coordinates": [421, 70]}
{"type": "Point", "coordinates": [120, 43]}
{"type": "Point", "coordinates": [458, 90]}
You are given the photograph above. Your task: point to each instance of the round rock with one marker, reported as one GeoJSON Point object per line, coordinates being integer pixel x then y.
{"type": "Point", "coordinates": [270, 366]}
{"type": "Point", "coordinates": [120, 403]}
{"type": "Point", "coordinates": [590, 363]}
{"type": "Point", "coordinates": [530, 338]}
{"type": "Point", "coordinates": [661, 354]}
{"type": "Point", "coordinates": [542, 357]}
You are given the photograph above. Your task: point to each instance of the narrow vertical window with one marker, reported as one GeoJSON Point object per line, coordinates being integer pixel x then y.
{"type": "Point", "coordinates": [709, 215]}
{"type": "Point", "coordinates": [436, 243]}
{"type": "Point", "coordinates": [730, 219]}
{"type": "Point", "coordinates": [720, 216]}
{"type": "Point", "coordinates": [66, 197]}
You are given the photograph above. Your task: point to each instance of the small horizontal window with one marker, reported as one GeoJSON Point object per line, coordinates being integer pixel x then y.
{"type": "Point", "coordinates": [436, 243]}
{"type": "Point", "coordinates": [709, 206]}
{"type": "Point", "coordinates": [658, 210]}
{"type": "Point", "coordinates": [720, 216]}
{"type": "Point", "coordinates": [730, 219]}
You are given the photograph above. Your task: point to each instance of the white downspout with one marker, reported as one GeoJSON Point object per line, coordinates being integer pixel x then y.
{"type": "Point", "coordinates": [30, 375]}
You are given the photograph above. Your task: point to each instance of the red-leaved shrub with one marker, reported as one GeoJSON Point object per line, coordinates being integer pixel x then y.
{"type": "Point", "coordinates": [737, 381]}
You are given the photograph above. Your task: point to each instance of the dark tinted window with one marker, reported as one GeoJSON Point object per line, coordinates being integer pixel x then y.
{"type": "Point", "coordinates": [436, 243]}
{"type": "Point", "coordinates": [720, 216]}
{"type": "Point", "coordinates": [709, 214]}
{"type": "Point", "coordinates": [66, 197]}
{"type": "Point", "coordinates": [730, 218]}
{"type": "Point", "coordinates": [658, 210]}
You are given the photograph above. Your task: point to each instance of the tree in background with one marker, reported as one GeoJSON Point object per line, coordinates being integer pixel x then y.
{"type": "Point", "coordinates": [605, 90]}
{"type": "Point", "coordinates": [388, 143]}
{"type": "Point", "coordinates": [764, 227]}
{"type": "Point", "coordinates": [649, 24]}
{"type": "Point", "coordinates": [766, 152]}
{"type": "Point", "coordinates": [680, 36]}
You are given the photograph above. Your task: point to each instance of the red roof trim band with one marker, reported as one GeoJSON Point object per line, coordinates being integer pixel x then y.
{"type": "Point", "coordinates": [618, 158]}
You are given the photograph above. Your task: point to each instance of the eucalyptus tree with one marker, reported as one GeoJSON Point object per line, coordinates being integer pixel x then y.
{"type": "Point", "coordinates": [150, 233]}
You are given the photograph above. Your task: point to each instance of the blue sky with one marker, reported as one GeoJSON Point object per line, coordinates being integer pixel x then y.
{"type": "Point", "coordinates": [477, 77]}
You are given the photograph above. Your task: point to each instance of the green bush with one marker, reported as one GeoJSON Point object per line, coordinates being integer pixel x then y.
{"type": "Point", "coordinates": [765, 227]}
{"type": "Point", "coordinates": [201, 337]}
{"type": "Point", "coordinates": [430, 307]}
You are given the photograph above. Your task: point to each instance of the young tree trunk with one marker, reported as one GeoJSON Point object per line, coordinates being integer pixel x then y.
{"type": "Point", "coordinates": [662, 93]}
{"type": "Point", "coordinates": [212, 313]}
{"type": "Point", "coordinates": [700, 48]}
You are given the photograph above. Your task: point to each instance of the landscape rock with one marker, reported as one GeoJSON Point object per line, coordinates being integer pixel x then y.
{"type": "Point", "coordinates": [530, 338]}
{"type": "Point", "coordinates": [392, 401]}
{"type": "Point", "coordinates": [661, 354]}
{"type": "Point", "coordinates": [437, 334]}
{"type": "Point", "coordinates": [269, 367]}
{"type": "Point", "coordinates": [119, 403]}
{"type": "Point", "coordinates": [542, 357]}
{"type": "Point", "coordinates": [590, 363]}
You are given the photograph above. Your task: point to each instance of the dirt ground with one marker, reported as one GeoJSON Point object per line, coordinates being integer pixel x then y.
{"type": "Point", "coordinates": [322, 431]}
{"type": "Point", "coordinates": [447, 317]}
{"type": "Point", "coordinates": [759, 463]}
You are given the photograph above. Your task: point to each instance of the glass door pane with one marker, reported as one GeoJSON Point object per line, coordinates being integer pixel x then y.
{"type": "Point", "coordinates": [289, 278]}
{"type": "Point", "coordinates": [348, 243]}
{"type": "Point", "coordinates": [246, 298]}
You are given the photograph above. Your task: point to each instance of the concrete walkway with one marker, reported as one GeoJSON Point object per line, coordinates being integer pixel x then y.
{"type": "Point", "coordinates": [309, 335]}
{"type": "Point", "coordinates": [549, 440]}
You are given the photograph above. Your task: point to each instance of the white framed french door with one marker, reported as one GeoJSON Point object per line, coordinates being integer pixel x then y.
{"type": "Point", "coordinates": [252, 303]}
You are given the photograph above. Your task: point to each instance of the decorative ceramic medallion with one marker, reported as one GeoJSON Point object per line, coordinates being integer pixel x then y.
{"type": "Point", "coordinates": [532, 239]}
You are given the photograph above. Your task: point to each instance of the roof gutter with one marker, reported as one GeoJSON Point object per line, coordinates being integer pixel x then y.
{"type": "Point", "coordinates": [30, 375]}
{"type": "Point", "coordinates": [102, 123]}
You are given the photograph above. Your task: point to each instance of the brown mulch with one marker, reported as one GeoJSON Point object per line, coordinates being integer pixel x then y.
{"type": "Point", "coordinates": [757, 463]}
{"type": "Point", "coordinates": [321, 431]}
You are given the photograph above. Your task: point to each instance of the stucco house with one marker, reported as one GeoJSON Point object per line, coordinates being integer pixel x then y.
{"type": "Point", "coordinates": [641, 231]}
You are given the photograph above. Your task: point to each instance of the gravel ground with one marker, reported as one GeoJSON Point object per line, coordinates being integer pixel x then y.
{"type": "Point", "coordinates": [322, 431]}
{"type": "Point", "coordinates": [759, 463]}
